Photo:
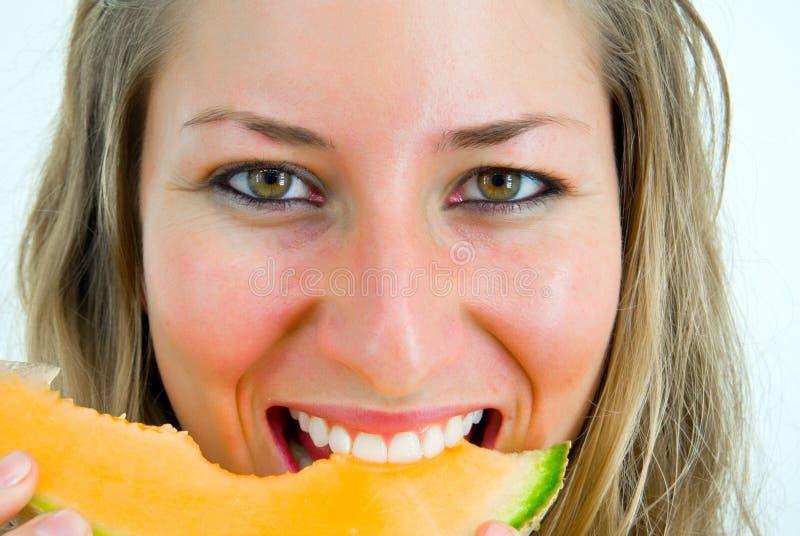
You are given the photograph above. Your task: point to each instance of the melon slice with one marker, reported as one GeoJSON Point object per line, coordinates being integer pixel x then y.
{"type": "Point", "coordinates": [128, 478]}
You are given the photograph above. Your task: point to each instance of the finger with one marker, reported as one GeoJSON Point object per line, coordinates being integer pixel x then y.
{"type": "Point", "coordinates": [60, 523]}
{"type": "Point", "coordinates": [18, 477]}
{"type": "Point", "coordinates": [495, 528]}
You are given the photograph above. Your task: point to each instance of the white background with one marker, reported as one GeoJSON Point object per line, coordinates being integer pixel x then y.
{"type": "Point", "coordinates": [760, 45]}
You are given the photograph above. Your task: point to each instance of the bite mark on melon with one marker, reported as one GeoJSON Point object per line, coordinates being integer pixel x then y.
{"type": "Point", "coordinates": [129, 478]}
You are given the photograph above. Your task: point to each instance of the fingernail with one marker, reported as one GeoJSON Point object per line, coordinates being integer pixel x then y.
{"type": "Point", "coordinates": [499, 530]}
{"type": "Point", "coordinates": [14, 468]}
{"type": "Point", "coordinates": [63, 523]}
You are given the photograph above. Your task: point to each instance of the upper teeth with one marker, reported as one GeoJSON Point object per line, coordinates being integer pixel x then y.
{"type": "Point", "coordinates": [403, 447]}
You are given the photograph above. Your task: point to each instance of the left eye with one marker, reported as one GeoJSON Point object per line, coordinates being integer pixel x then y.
{"type": "Point", "coordinates": [269, 184]}
{"type": "Point", "coordinates": [501, 185]}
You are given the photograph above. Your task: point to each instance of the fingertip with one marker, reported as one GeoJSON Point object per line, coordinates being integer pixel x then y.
{"type": "Point", "coordinates": [16, 468]}
{"type": "Point", "coordinates": [66, 521]}
{"type": "Point", "coordinates": [496, 528]}
{"type": "Point", "coordinates": [19, 475]}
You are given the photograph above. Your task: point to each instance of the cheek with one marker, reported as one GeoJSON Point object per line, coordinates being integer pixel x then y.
{"type": "Point", "coordinates": [577, 300]}
{"type": "Point", "coordinates": [568, 339]}
{"type": "Point", "coordinates": [211, 319]}
{"type": "Point", "coordinates": [207, 309]}
{"type": "Point", "coordinates": [557, 328]}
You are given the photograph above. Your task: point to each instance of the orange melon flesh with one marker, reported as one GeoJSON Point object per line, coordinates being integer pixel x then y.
{"type": "Point", "coordinates": [128, 478]}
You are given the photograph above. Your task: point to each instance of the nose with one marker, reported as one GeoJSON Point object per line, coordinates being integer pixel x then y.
{"type": "Point", "coordinates": [391, 326]}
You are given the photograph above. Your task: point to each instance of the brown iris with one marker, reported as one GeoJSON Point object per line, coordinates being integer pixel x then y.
{"type": "Point", "coordinates": [498, 186]}
{"type": "Point", "coordinates": [269, 183]}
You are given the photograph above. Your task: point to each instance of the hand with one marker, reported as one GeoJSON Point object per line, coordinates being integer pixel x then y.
{"type": "Point", "coordinates": [18, 477]}
{"type": "Point", "coordinates": [495, 528]}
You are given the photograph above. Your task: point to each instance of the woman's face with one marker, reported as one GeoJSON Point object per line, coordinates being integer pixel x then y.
{"type": "Point", "coordinates": [383, 215]}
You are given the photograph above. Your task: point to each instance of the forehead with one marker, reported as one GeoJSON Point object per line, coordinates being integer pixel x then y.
{"type": "Point", "coordinates": [393, 67]}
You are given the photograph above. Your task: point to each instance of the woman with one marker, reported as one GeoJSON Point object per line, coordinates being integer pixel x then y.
{"type": "Point", "coordinates": [388, 217]}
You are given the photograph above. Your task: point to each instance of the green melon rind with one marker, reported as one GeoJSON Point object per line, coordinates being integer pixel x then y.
{"type": "Point", "coordinates": [549, 477]}
{"type": "Point", "coordinates": [41, 505]}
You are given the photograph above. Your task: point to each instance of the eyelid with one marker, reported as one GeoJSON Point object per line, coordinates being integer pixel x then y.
{"type": "Point", "coordinates": [222, 175]}
{"type": "Point", "coordinates": [555, 184]}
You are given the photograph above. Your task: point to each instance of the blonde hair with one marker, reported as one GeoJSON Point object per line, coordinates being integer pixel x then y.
{"type": "Point", "coordinates": [660, 450]}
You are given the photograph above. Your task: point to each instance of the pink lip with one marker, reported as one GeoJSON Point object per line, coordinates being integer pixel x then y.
{"type": "Point", "coordinates": [385, 423]}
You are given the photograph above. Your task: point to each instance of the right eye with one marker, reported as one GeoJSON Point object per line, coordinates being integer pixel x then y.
{"type": "Point", "coordinates": [267, 184]}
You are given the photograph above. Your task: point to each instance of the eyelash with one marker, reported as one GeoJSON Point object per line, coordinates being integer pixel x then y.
{"type": "Point", "coordinates": [221, 179]}
{"type": "Point", "coordinates": [553, 186]}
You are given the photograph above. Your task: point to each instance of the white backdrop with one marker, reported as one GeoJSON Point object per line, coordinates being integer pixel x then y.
{"type": "Point", "coordinates": [760, 45]}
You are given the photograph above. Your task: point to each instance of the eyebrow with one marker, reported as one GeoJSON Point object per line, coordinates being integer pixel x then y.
{"type": "Point", "coordinates": [271, 128]}
{"type": "Point", "coordinates": [483, 135]}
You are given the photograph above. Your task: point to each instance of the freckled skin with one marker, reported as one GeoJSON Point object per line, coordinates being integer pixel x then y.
{"type": "Point", "coordinates": [382, 93]}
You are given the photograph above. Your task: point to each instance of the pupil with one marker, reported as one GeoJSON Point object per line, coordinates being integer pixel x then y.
{"type": "Point", "coordinates": [269, 183]}
{"type": "Point", "coordinates": [499, 186]}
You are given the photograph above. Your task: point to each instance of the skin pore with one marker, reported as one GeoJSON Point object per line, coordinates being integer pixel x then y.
{"type": "Point", "coordinates": [389, 101]}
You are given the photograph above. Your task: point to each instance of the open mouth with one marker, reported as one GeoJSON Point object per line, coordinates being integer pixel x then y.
{"type": "Point", "coordinates": [303, 438]}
